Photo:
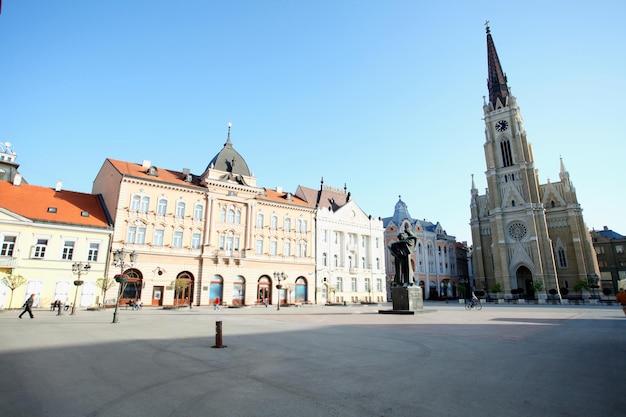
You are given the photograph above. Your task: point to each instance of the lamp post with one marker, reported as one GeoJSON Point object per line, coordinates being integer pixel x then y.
{"type": "Point", "coordinates": [119, 260]}
{"type": "Point", "coordinates": [279, 276]}
{"type": "Point", "coordinates": [78, 268]}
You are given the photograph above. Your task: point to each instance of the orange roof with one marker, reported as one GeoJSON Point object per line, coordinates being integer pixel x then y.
{"type": "Point", "coordinates": [273, 195]}
{"type": "Point", "coordinates": [137, 170]}
{"type": "Point", "coordinates": [33, 202]}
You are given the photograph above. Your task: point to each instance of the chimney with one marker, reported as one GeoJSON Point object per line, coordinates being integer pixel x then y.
{"type": "Point", "coordinates": [279, 189]}
{"type": "Point", "coordinates": [59, 186]}
{"type": "Point", "coordinates": [145, 164]}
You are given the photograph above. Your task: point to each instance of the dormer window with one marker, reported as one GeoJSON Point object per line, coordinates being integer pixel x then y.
{"type": "Point", "coordinates": [52, 209]}
{"type": "Point", "coordinates": [152, 171]}
{"type": "Point", "coordinates": [84, 213]}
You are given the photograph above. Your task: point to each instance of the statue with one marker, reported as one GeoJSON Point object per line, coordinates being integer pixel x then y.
{"type": "Point", "coordinates": [402, 250]}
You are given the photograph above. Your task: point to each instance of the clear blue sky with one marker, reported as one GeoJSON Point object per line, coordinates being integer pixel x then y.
{"type": "Point", "coordinates": [384, 96]}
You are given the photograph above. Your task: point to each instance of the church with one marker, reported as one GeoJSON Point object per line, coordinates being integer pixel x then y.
{"type": "Point", "coordinates": [529, 238]}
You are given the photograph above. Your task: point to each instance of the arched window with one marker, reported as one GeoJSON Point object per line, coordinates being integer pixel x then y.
{"type": "Point", "coordinates": [274, 222]}
{"type": "Point", "coordinates": [231, 216]}
{"type": "Point", "coordinates": [562, 258]}
{"type": "Point", "coordinates": [259, 220]}
{"type": "Point", "coordinates": [180, 209]}
{"type": "Point", "coordinates": [162, 206]}
{"type": "Point", "coordinates": [287, 224]}
{"type": "Point", "coordinates": [505, 150]}
{"type": "Point", "coordinates": [238, 216]}
{"type": "Point", "coordinates": [324, 259]}
{"type": "Point", "coordinates": [197, 211]}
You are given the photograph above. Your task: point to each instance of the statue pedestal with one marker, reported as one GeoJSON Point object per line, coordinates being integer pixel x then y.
{"type": "Point", "coordinates": [406, 300]}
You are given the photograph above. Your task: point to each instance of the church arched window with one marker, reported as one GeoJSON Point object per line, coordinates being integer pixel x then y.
{"type": "Point", "coordinates": [505, 150]}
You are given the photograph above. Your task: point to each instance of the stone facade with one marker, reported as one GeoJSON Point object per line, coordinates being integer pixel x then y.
{"type": "Point", "coordinates": [526, 235]}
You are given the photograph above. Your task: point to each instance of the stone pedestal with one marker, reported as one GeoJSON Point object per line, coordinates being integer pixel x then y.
{"type": "Point", "coordinates": [407, 298]}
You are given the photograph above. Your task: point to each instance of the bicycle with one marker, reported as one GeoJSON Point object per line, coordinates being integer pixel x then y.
{"type": "Point", "coordinates": [473, 305]}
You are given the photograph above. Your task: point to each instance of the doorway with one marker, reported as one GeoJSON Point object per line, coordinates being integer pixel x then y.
{"type": "Point", "coordinates": [157, 295]}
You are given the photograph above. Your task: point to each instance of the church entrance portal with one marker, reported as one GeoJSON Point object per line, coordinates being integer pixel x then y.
{"type": "Point", "coordinates": [525, 281]}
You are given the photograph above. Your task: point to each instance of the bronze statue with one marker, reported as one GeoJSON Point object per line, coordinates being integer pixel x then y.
{"type": "Point", "coordinates": [402, 250]}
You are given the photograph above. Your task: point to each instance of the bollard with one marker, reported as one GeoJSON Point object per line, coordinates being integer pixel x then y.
{"type": "Point", "coordinates": [218, 335]}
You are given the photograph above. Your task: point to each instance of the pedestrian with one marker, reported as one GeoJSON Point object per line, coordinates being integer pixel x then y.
{"type": "Point", "coordinates": [28, 305]}
{"type": "Point", "coordinates": [265, 302]}
{"type": "Point", "coordinates": [216, 306]}
{"type": "Point", "coordinates": [621, 298]}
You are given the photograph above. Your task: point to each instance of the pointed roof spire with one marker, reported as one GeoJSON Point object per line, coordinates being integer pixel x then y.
{"type": "Point", "coordinates": [563, 174]}
{"type": "Point", "coordinates": [228, 142]}
{"type": "Point", "coordinates": [498, 90]}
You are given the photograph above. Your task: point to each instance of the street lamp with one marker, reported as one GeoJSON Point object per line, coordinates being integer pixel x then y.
{"type": "Point", "coordinates": [78, 268]}
{"type": "Point", "coordinates": [279, 276]}
{"type": "Point", "coordinates": [119, 260]}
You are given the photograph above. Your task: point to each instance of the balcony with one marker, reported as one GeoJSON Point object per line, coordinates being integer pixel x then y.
{"type": "Point", "coordinates": [8, 262]}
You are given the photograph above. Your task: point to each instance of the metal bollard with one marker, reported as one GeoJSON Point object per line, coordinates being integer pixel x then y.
{"type": "Point", "coordinates": [218, 335]}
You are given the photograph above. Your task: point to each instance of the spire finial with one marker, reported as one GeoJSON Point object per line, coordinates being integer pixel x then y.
{"type": "Point", "coordinates": [487, 26]}
{"type": "Point", "coordinates": [228, 138]}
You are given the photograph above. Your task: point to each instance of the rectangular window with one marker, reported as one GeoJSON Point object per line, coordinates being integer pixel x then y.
{"type": "Point", "coordinates": [325, 235]}
{"type": "Point", "coordinates": [8, 246]}
{"type": "Point", "coordinates": [141, 236]}
{"type": "Point", "coordinates": [339, 284]}
{"type": "Point", "coordinates": [68, 250]}
{"type": "Point", "coordinates": [353, 284]}
{"type": "Point", "coordinates": [222, 243]}
{"type": "Point", "coordinates": [236, 244]}
{"type": "Point", "coordinates": [177, 242]}
{"type": "Point", "coordinates": [158, 237]}
{"type": "Point", "coordinates": [273, 248]}
{"type": "Point", "coordinates": [40, 248]}
{"type": "Point", "coordinates": [131, 233]}
{"type": "Point", "coordinates": [145, 204]}
{"type": "Point", "coordinates": [195, 241]}
{"type": "Point", "coordinates": [619, 249]}
{"type": "Point", "coordinates": [92, 255]}
{"type": "Point", "coordinates": [379, 285]}
{"type": "Point", "coordinates": [259, 247]}
{"type": "Point", "coordinates": [287, 249]}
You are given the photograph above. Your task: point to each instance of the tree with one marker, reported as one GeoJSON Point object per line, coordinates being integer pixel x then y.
{"type": "Point", "coordinates": [538, 286]}
{"type": "Point", "coordinates": [581, 285]}
{"type": "Point", "coordinates": [179, 286]}
{"type": "Point", "coordinates": [13, 282]}
{"type": "Point", "coordinates": [105, 284]}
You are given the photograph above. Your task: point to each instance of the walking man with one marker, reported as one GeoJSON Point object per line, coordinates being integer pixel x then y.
{"type": "Point", "coordinates": [28, 305]}
{"type": "Point", "coordinates": [217, 303]}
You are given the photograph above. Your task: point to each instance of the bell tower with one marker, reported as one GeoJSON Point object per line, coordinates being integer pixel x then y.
{"type": "Point", "coordinates": [512, 245]}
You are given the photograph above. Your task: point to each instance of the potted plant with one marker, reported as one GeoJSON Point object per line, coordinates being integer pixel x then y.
{"type": "Point", "coordinates": [497, 289]}
{"type": "Point", "coordinates": [538, 288]}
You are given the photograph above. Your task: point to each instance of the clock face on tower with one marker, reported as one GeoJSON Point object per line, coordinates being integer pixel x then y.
{"type": "Point", "coordinates": [502, 125]}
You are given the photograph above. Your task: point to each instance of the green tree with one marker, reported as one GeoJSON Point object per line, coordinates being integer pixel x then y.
{"type": "Point", "coordinates": [105, 284]}
{"type": "Point", "coordinates": [179, 285]}
{"type": "Point", "coordinates": [13, 282]}
{"type": "Point", "coordinates": [581, 285]}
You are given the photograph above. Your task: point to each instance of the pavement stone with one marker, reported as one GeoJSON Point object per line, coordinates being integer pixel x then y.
{"type": "Point", "coordinates": [505, 360]}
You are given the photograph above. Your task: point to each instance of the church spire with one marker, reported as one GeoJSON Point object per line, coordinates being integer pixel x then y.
{"type": "Point", "coordinates": [498, 90]}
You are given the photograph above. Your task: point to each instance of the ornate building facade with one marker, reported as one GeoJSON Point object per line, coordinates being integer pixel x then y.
{"type": "Point", "coordinates": [349, 249]}
{"type": "Point", "coordinates": [526, 235]}
{"type": "Point", "coordinates": [217, 233]}
{"type": "Point", "coordinates": [434, 261]}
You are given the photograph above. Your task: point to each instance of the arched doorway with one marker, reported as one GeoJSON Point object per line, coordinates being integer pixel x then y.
{"type": "Point", "coordinates": [264, 290]}
{"type": "Point", "coordinates": [301, 290]}
{"type": "Point", "coordinates": [183, 289]}
{"type": "Point", "coordinates": [132, 287]}
{"type": "Point", "coordinates": [216, 289]}
{"type": "Point", "coordinates": [524, 280]}
{"type": "Point", "coordinates": [239, 291]}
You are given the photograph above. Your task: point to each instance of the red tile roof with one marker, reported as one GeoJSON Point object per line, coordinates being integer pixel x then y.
{"type": "Point", "coordinates": [33, 201]}
{"type": "Point", "coordinates": [137, 170]}
{"type": "Point", "coordinates": [273, 195]}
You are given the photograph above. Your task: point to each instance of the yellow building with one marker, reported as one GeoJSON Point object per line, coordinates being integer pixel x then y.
{"type": "Point", "coordinates": [52, 238]}
{"type": "Point", "coordinates": [200, 237]}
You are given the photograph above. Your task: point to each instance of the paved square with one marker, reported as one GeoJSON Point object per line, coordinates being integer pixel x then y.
{"type": "Point", "coordinates": [316, 361]}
